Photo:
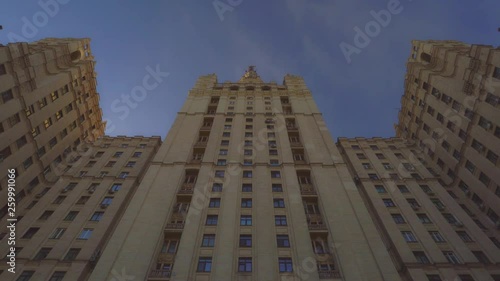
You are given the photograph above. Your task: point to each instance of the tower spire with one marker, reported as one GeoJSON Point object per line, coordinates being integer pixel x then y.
{"type": "Point", "coordinates": [250, 76]}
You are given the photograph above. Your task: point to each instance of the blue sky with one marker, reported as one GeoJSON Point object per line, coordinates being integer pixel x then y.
{"type": "Point", "coordinates": [189, 38]}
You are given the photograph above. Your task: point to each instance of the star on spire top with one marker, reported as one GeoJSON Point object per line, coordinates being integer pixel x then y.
{"type": "Point", "coordinates": [250, 76]}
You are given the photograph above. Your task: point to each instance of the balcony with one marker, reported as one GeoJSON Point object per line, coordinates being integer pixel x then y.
{"type": "Point", "coordinates": [328, 274]}
{"type": "Point", "coordinates": [200, 144]}
{"type": "Point", "coordinates": [174, 226]}
{"type": "Point", "coordinates": [206, 128]}
{"type": "Point", "coordinates": [295, 144]}
{"type": "Point", "coordinates": [195, 161]}
{"type": "Point", "coordinates": [291, 128]}
{"type": "Point", "coordinates": [317, 227]}
{"type": "Point", "coordinates": [187, 188]}
{"type": "Point", "coordinates": [307, 189]}
{"type": "Point", "coordinates": [160, 274]}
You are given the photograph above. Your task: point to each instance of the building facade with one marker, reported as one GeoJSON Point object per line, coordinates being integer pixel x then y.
{"type": "Point", "coordinates": [248, 185]}
{"type": "Point", "coordinates": [49, 106]}
{"type": "Point", "coordinates": [72, 184]}
{"type": "Point", "coordinates": [451, 110]}
{"type": "Point", "coordinates": [428, 234]}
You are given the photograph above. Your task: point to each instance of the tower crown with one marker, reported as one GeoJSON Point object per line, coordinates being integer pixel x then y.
{"type": "Point", "coordinates": [250, 76]}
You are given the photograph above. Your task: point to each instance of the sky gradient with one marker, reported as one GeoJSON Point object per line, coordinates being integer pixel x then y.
{"type": "Point", "coordinates": [190, 38]}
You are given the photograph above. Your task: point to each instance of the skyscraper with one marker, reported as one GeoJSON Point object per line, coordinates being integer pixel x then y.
{"type": "Point", "coordinates": [451, 110]}
{"type": "Point", "coordinates": [428, 234]}
{"type": "Point", "coordinates": [248, 185]}
{"type": "Point", "coordinates": [71, 183]}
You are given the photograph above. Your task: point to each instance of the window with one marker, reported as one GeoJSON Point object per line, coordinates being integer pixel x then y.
{"type": "Point", "coordinates": [436, 236]}
{"type": "Point", "coordinates": [115, 187]}
{"type": "Point", "coordinates": [283, 241]}
{"type": "Point", "coordinates": [246, 187]}
{"type": "Point", "coordinates": [57, 276]}
{"type": "Point", "coordinates": [387, 166]}
{"type": "Point", "coordinates": [46, 215]}
{"type": "Point", "coordinates": [424, 218]}
{"type": "Point", "coordinates": [380, 156]}
{"type": "Point", "coordinates": [438, 203]}
{"type": "Point", "coordinates": [246, 220]}
{"type": "Point", "coordinates": [465, 277]}
{"type": "Point", "coordinates": [273, 152]}
{"type": "Point", "coordinates": [137, 154]}
{"type": "Point", "coordinates": [247, 174]}
{"type": "Point", "coordinates": [47, 123]}
{"type": "Point", "coordinates": [490, 155]}
{"type": "Point", "coordinates": [469, 166]}
{"type": "Point", "coordinates": [208, 240]}
{"type": "Point", "coordinates": [276, 187]}
{"type": "Point", "coordinates": [21, 142]}
{"type": "Point", "coordinates": [71, 216]}
{"type": "Point", "coordinates": [403, 189]}
{"type": "Point", "coordinates": [14, 119]}
{"type": "Point", "coordinates": [246, 203]}
{"type": "Point", "coordinates": [3, 71]}
{"type": "Point", "coordinates": [433, 277]}
{"type": "Point", "coordinates": [285, 264]}
{"type": "Point", "coordinates": [275, 174]}
{"type": "Point", "coordinates": [221, 162]}
{"type": "Point", "coordinates": [57, 233]}
{"type": "Point", "coordinates": [361, 156]}
{"type": "Point", "coordinates": [409, 236]}
{"type": "Point", "coordinates": [450, 256]}
{"type": "Point", "coordinates": [59, 199]}
{"type": "Point", "coordinates": [398, 218]}
{"type": "Point", "coordinates": [26, 275]}
{"type": "Point", "coordinates": [367, 166]}
{"type": "Point", "coordinates": [169, 246]}
{"type": "Point", "coordinates": [274, 162]}
{"type": "Point", "coordinates": [85, 234]}
{"type": "Point", "coordinates": [217, 187]}
{"type": "Point", "coordinates": [388, 203]}
{"type": "Point", "coordinates": [223, 152]}
{"type": "Point", "coordinates": [280, 220]}
{"type": "Point", "coordinates": [219, 174]}
{"type": "Point", "coordinates": [130, 164]}
{"type": "Point", "coordinates": [27, 163]}
{"type": "Point", "coordinates": [413, 203]}
{"type": "Point", "coordinates": [72, 254]}
{"type": "Point", "coordinates": [245, 240]}
{"type": "Point", "coordinates": [97, 216]}
{"type": "Point", "coordinates": [212, 220]}
{"type": "Point", "coordinates": [279, 203]}
{"type": "Point", "coordinates": [373, 176]}
{"type": "Point", "coordinates": [380, 189]}
{"type": "Point", "coordinates": [42, 254]}
{"type": "Point", "coordinates": [123, 175]}
{"type": "Point", "coordinates": [484, 179]}
{"type": "Point", "coordinates": [214, 203]}
{"type": "Point", "coordinates": [421, 257]}
{"type": "Point", "coordinates": [481, 257]}
{"type": "Point", "coordinates": [204, 264]}
{"type": "Point", "coordinates": [7, 95]}
{"type": "Point", "coordinates": [244, 264]}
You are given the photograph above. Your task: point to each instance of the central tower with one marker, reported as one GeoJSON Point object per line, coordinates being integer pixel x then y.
{"type": "Point", "coordinates": [248, 185]}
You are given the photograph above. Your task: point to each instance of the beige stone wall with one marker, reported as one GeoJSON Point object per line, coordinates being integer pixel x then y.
{"type": "Point", "coordinates": [355, 250]}
{"type": "Point", "coordinates": [402, 251]}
